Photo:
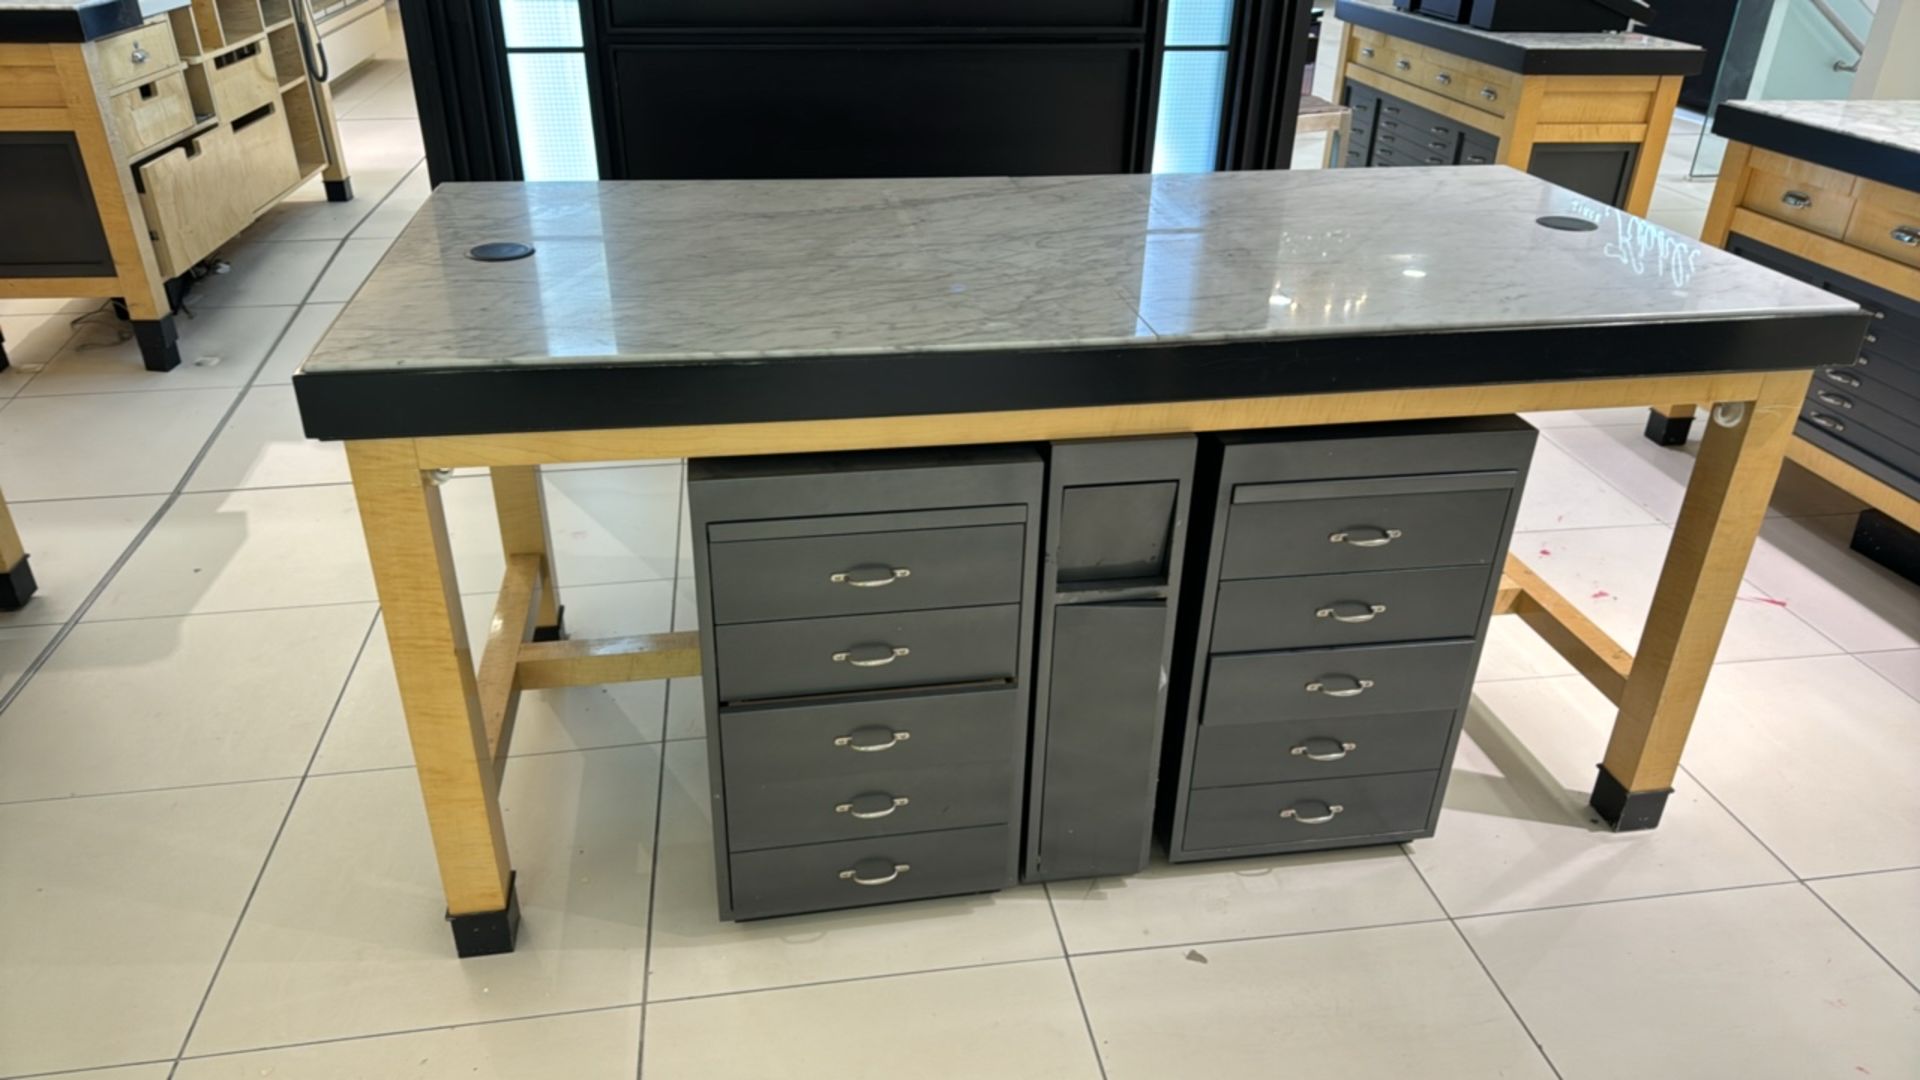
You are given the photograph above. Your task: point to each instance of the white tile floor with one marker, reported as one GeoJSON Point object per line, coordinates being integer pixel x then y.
{"type": "Point", "coordinates": [214, 864]}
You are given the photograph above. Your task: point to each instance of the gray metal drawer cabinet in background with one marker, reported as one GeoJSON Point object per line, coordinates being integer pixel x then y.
{"type": "Point", "coordinates": [866, 623]}
{"type": "Point", "coordinates": [1338, 587]}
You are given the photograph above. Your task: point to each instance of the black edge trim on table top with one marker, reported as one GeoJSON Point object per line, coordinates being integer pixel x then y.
{"type": "Point", "coordinates": [426, 402]}
{"type": "Point", "coordinates": [1460, 41]}
{"type": "Point", "coordinates": [53, 27]}
{"type": "Point", "coordinates": [1821, 146]}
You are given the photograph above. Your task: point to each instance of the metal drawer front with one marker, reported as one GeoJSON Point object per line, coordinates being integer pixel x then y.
{"type": "Point", "coordinates": [1310, 811]}
{"type": "Point", "coordinates": [853, 873]}
{"type": "Point", "coordinates": [762, 580]}
{"type": "Point", "coordinates": [850, 738]}
{"type": "Point", "coordinates": [1865, 411]}
{"type": "Point", "coordinates": [867, 652]}
{"type": "Point", "coordinates": [1254, 688]}
{"type": "Point", "coordinates": [1348, 609]}
{"type": "Point", "coordinates": [1227, 755]}
{"type": "Point", "coordinates": [881, 802]}
{"type": "Point", "coordinates": [1373, 532]}
{"type": "Point", "coordinates": [1850, 430]}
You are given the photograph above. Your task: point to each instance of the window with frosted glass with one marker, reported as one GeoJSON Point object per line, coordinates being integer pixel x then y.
{"type": "Point", "coordinates": [553, 115]}
{"type": "Point", "coordinates": [552, 109]}
{"type": "Point", "coordinates": [1193, 79]}
{"type": "Point", "coordinates": [541, 24]}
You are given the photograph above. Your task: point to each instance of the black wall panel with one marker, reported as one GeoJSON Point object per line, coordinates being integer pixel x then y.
{"type": "Point", "coordinates": [798, 111]}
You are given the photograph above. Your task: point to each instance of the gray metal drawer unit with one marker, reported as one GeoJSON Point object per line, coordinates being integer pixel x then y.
{"type": "Point", "coordinates": [1338, 586]}
{"type": "Point", "coordinates": [867, 624]}
{"type": "Point", "coordinates": [1115, 542]}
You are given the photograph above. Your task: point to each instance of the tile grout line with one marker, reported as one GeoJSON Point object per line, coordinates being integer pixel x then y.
{"type": "Point", "coordinates": [660, 790]}
{"type": "Point", "coordinates": [140, 537]}
{"type": "Point", "coordinates": [1099, 1059]}
{"type": "Point", "coordinates": [272, 846]}
{"type": "Point", "coordinates": [1864, 940]}
{"type": "Point", "coordinates": [1525, 1028]}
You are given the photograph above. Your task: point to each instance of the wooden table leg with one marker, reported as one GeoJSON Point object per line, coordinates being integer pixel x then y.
{"type": "Point", "coordinates": [1719, 520]}
{"type": "Point", "coordinates": [433, 663]}
{"type": "Point", "coordinates": [16, 577]}
{"type": "Point", "coordinates": [522, 507]}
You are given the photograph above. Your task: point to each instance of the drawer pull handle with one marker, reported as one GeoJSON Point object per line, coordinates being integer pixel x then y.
{"type": "Point", "coordinates": [1393, 108]}
{"type": "Point", "coordinates": [888, 804]}
{"type": "Point", "coordinates": [1872, 338]}
{"type": "Point", "coordinates": [139, 55]}
{"type": "Point", "coordinates": [1828, 397]}
{"type": "Point", "coordinates": [876, 740]}
{"type": "Point", "coordinates": [1332, 811]}
{"type": "Point", "coordinates": [1366, 51]}
{"type": "Point", "coordinates": [870, 578]}
{"type": "Point", "coordinates": [1830, 423]}
{"type": "Point", "coordinates": [1443, 79]}
{"type": "Point", "coordinates": [1307, 751]}
{"type": "Point", "coordinates": [1843, 379]}
{"type": "Point", "coordinates": [1438, 145]}
{"type": "Point", "coordinates": [1476, 159]}
{"type": "Point", "coordinates": [1489, 93]}
{"type": "Point", "coordinates": [1372, 612]}
{"type": "Point", "coordinates": [1438, 130]}
{"type": "Point", "coordinates": [893, 652]}
{"type": "Point", "coordinates": [1346, 536]}
{"type": "Point", "coordinates": [1799, 200]}
{"type": "Point", "coordinates": [1906, 234]}
{"type": "Point", "coordinates": [893, 873]}
{"type": "Point", "coordinates": [1403, 65]}
{"type": "Point", "coordinates": [1360, 686]}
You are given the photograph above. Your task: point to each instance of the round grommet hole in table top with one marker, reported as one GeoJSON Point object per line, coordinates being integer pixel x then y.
{"type": "Point", "coordinates": [1567, 224]}
{"type": "Point", "coordinates": [500, 251]}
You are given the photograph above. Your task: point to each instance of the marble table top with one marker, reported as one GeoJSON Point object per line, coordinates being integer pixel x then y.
{"type": "Point", "coordinates": [1508, 48]}
{"type": "Point", "coordinates": [634, 273]}
{"type": "Point", "coordinates": [76, 20]}
{"type": "Point", "coordinates": [1893, 124]}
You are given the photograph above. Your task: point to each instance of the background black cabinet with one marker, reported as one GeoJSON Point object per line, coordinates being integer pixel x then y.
{"type": "Point", "coordinates": [733, 89]}
{"type": "Point", "coordinates": [878, 109]}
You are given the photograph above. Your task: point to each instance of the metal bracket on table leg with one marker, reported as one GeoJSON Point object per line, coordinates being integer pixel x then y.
{"type": "Point", "coordinates": [488, 933]}
{"type": "Point", "coordinates": [16, 586]}
{"type": "Point", "coordinates": [1627, 811]}
{"type": "Point", "coordinates": [556, 632]}
{"type": "Point", "coordinates": [1668, 430]}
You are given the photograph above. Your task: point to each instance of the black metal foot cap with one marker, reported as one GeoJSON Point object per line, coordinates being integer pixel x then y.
{"type": "Point", "coordinates": [159, 343]}
{"type": "Point", "coordinates": [1889, 543]}
{"type": "Point", "coordinates": [488, 933]}
{"type": "Point", "coordinates": [16, 586]}
{"type": "Point", "coordinates": [339, 190]}
{"type": "Point", "coordinates": [1627, 811]}
{"type": "Point", "coordinates": [1668, 430]}
{"type": "Point", "coordinates": [556, 632]}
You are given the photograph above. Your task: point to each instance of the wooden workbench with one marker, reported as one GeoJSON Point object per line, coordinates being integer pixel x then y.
{"type": "Point", "coordinates": [139, 137]}
{"type": "Point", "coordinates": [1589, 111]}
{"type": "Point", "coordinates": [1829, 191]}
{"type": "Point", "coordinates": [774, 317]}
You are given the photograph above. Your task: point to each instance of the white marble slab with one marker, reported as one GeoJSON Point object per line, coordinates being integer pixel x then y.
{"type": "Point", "coordinates": [1534, 39]}
{"type": "Point", "coordinates": [1894, 124]}
{"type": "Point", "coordinates": [638, 272]}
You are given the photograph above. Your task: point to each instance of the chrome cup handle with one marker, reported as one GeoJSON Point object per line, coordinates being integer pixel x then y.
{"type": "Point", "coordinates": [1307, 751]}
{"type": "Point", "coordinates": [871, 578]}
{"type": "Point", "coordinates": [1360, 686]}
{"type": "Point", "coordinates": [1347, 537]}
{"type": "Point", "coordinates": [879, 739]}
{"type": "Point", "coordinates": [853, 875]}
{"type": "Point", "coordinates": [894, 652]}
{"type": "Point", "coordinates": [1333, 810]}
{"type": "Point", "coordinates": [1799, 200]}
{"type": "Point", "coordinates": [890, 803]}
{"type": "Point", "coordinates": [1906, 234]}
{"type": "Point", "coordinates": [1372, 612]}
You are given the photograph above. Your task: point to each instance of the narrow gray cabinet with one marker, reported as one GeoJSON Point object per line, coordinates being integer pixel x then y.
{"type": "Point", "coordinates": [1337, 592]}
{"type": "Point", "coordinates": [867, 627]}
{"type": "Point", "coordinates": [1115, 538]}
